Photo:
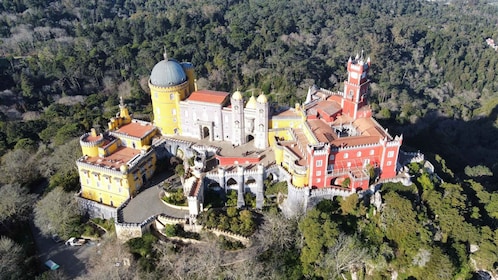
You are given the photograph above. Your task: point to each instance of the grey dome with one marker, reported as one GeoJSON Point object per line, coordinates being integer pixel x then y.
{"type": "Point", "coordinates": [167, 73]}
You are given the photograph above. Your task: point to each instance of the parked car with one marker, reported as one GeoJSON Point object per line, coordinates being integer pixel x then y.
{"type": "Point", "coordinates": [52, 265]}
{"type": "Point", "coordinates": [73, 241]}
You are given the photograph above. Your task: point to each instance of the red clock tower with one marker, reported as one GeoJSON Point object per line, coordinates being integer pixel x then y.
{"type": "Point", "coordinates": [356, 87]}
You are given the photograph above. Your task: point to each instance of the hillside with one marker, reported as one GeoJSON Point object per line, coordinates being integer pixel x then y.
{"type": "Point", "coordinates": [63, 65]}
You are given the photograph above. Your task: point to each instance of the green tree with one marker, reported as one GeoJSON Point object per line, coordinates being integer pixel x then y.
{"type": "Point", "coordinates": [399, 222]}
{"type": "Point", "coordinates": [319, 231]}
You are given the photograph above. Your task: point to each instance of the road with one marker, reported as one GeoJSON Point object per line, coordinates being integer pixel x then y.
{"type": "Point", "coordinates": [72, 260]}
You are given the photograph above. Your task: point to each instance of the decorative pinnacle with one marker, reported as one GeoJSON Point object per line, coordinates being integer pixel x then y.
{"type": "Point", "coordinates": [165, 54]}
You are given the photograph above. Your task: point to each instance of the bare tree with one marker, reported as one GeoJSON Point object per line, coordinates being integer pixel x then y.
{"type": "Point", "coordinates": [345, 256]}
{"type": "Point", "coordinates": [11, 257]}
{"type": "Point", "coordinates": [15, 203]}
{"type": "Point", "coordinates": [62, 159]}
{"type": "Point", "coordinates": [203, 261]}
{"type": "Point", "coordinates": [57, 213]}
{"type": "Point", "coordinates": [19, 166]}
{"type": "Point", "coordinates": [111, 261]}
{"type": "Point", "coordinates": [277, 233]}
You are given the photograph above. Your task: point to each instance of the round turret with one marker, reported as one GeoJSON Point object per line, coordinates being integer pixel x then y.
{"type": "Point", "coordinates": [167, 73]}
{"type": "Point", "coordinates": [262, 98]}
{"type": "Point", "coordinates": [237, 95]}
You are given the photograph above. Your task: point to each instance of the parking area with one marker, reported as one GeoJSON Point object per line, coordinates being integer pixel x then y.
{"type": "Point", "coordinates": [71, 259]}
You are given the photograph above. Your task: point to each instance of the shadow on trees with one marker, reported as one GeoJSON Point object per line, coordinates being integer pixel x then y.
{"type": "Point", "coordinates": [461, 143]}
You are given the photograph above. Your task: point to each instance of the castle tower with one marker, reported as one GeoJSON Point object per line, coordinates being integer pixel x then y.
{"type": "Point", "coordinates": [238, 130]}
{"type": "Point", "coordinates": [261, 122]}
{"type": "Point", "coordinates": [356, 87]}
{"type": "Point", "coordinates": [170, 82]}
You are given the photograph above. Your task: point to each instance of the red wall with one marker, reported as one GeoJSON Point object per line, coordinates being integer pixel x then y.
{"type": "Point", "coordinates": [223, 161]}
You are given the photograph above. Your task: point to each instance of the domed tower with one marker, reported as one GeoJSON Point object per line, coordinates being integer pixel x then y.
{"type": "Point", "coordinates": [237, 102]}
{"type": "Point", "coordinates": [169, 83]}
{"type": "Point", "coordinates": [261, 122]}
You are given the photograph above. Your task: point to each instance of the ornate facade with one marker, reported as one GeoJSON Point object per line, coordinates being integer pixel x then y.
{"type": "Point", "coordinates": [329, 142]}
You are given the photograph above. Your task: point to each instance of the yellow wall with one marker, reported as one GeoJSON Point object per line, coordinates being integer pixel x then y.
{"type": "Point", "coordinates": [164, 101]}
{"type": "Point", "coordinates": [293, 122]}
{"type": "Point", "coordinates": [92, 151]}
{"type": "Point", "coordinates": [299, 180]}
{"type": "Point", "coordinates": [95, 184]}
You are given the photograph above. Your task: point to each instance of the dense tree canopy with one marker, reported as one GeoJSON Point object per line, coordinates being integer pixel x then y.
{"type": "Point", "coordinates": [63, 65]}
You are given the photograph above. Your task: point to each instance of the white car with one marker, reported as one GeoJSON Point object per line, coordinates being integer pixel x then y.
{"type": "Point", "coordinates": [73, 241]}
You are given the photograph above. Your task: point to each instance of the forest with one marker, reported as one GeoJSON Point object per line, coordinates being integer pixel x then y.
{"type": "Point", "coordinates": [64, 64]}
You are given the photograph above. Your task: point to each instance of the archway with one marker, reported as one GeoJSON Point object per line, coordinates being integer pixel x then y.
{"type": "Point", "coordinates": [205, 132]}
{"type": "Point", "coordinates": [214, 186]}
{"type": "Point", "coordinates": [250, 180]}
{"type": "Point", "coordinates": [231, 182]}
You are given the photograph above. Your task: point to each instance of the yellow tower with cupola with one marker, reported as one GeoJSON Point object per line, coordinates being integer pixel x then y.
{"type": "Point", "coordinates": [117, 163]}
{"type": "Point", "coordinates": [170, 82]}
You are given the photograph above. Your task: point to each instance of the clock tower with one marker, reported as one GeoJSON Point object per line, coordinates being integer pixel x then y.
{"type": "Point", "coordinates": [356, 87]}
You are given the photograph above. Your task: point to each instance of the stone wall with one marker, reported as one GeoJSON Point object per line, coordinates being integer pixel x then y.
{"type": "Point", "coordinates": [96, 210]}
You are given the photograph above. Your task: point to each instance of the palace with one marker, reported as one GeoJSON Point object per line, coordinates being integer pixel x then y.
{"type": "Point", "coordinates": [330, 142]}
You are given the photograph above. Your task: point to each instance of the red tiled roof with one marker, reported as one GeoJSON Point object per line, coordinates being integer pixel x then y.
{"type": "Point", "coordinates": [121, 156]}
{"type": "Point", "coordinates": [210, 96]}
{"type": "Point", "coordinates": [136, 129]}
{"type": "Point", "coordinates": [323, 132]}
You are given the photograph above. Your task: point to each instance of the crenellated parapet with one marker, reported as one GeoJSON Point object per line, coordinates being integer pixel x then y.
{"type": "Point", "coordinates": [87, 140]}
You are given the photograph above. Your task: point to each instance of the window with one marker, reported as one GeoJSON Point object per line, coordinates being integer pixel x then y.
{"type": "Point", "coordinates": [171, 96]}
{"type": "Point", "coordinates": [319, 163]}
{"type": "Point", "coordinates": [372, 152]}
{"type": "Point", "coordinates": [349, 164]}
{"type": "Point", "coordinates": [109, 187]}
{"type": "Point", "coordinates": [358, 154]}
{"type": "Point", "coordinates": [173, 112]}
{"type": "Point", "coordinates": [120, 190]}
{"type": "Point", "coordinates": [319, 173]}
{"type": "Point", "coordinates": [155, 95]}
{"type": "Point", "coordinates": [318, 180]}
{"type": "Point", "coordinates": [98, 184]}
{"type": "Point", "coordinates": [389, 163]}
{"type": "Point", "coordinates": [331, 157]}
{"type": "Point", "coordinates": [390, 154]}
{"type": "Point", "coordinates": [346, 155]}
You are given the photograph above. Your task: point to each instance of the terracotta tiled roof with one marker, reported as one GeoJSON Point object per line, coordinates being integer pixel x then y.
{"type": "Point", "coordinates": [136, 129]}
{"type": "Point", "coordinates": [210, 96]}
{"type": "Point", "coordinates": [335, 98]}
{"type": "Point", "coordinates": [91, 138]}
{"type": "Point", "coordinates": [329, 107]}
{"type": "Point", "coordinates": [289, 113]}
{"type": "Point", "coordinates": [323, 132]}
{"type": "Point", "coordinates": [369, 127]}
{"type": "Point", "coordinates": [121, 156]}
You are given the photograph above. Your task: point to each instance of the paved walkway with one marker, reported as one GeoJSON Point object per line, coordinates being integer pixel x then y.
{"type": "Point", "coordinates": [148, 203]}
{"type": "Point", "coordinates": [228, 150]}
